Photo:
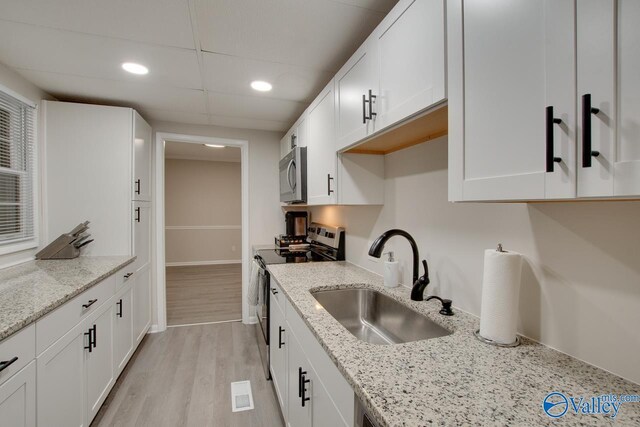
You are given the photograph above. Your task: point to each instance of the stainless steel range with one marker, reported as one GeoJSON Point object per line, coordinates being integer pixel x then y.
{"type": "Point", "coordinates": [323, 243]}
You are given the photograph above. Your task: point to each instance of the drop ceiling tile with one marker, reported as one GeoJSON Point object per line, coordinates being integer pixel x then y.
{"type": "Point", "coordinates": [254, 107]}
{"type": "Point", "coordinates": [175, 116]}
{"type": "Point", "coordinates": [44, 49]}
{"type": "Point", "coordinates": [307, 33]}
{"type": "Point", "coordinates": [162, 22]}
{"type": "Point", "coordinates": [249, 123]}
{"type": "Point", "coordinates": [232, 74]}
{"type": "Point", "coordinates": [113, 92]}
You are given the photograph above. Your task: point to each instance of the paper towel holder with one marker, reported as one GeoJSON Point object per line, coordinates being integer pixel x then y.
{"type": "Point", "coordinates": [492, 342]}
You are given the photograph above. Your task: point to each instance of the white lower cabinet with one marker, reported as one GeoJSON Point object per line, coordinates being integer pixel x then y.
{"type": "Point", "coordinates": [18, 398]}
{"type": "Point", "coordinates": [60, 380]}
{"type": "Point", "coordinates": [122, 328]}
{"type": "Point", "coordinates": [99, 358]}
{"type": "Point", "coordinates": [141, 304]}
{"type": "Point", "coordinates": [311, 391]}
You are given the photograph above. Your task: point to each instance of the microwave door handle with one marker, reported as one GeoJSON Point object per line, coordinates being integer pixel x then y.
{"type": "Point", "coordinates": [292, 164]}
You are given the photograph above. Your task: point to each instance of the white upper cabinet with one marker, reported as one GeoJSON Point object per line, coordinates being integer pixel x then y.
{"type": "Point", "coordinates": [321, 152]}
{"type": "Point", "coordinates": [356, 88]}
{"type": "Point", "coordinates": [141, 158]}
{"type": "Point", "coordinates": [518, 130]}
{"type": "Point", "coordinates": [609, 98]}
{"type": "Point", "coordinates": [410, 51]}
{"type": "Point", "coordinates": [514, 59]}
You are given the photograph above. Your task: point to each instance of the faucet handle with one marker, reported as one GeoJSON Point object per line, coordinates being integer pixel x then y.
{"type": "Point", "coordinates": [426, 269]}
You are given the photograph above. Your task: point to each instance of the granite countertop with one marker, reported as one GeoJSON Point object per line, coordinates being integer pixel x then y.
{"type": "Point", "coordinates": [29, 291]}
{"type": "Point", "coordinates": [453, 380]}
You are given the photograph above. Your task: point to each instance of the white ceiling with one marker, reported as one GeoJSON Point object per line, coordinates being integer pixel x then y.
{"type": "Point", "coordinates": [191, 151]}
{"type": "Point", "coordinates": [201, 54]}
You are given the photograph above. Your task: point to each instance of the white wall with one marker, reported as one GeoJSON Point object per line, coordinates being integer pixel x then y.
{"type": "Point", "coordinates": [581, 281]}
{"type": "Point", "coordinates": [13, 81]}
{"type": "Point", "coordinates": [202, 212]}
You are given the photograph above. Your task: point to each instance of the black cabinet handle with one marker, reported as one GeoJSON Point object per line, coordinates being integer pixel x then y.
{"type": "Point", "coordinates": [137, 186]}
{"type": "Point", "coordinates": [329, 190]}
{"type": "Point", "coordinates": [137, 214]}
{"type": "Point", "coordinates": [89, 346]}
{"type": "Point", "coordinates": [274, 291]}
{"type": "Point", "coordinates": [90, 303]}
{"type": "Point", "coordinates": [303, 381]}
{"type": "Point", "coordinates": [126, 276]}
{"type": "Point", "coordinates": [280, 331]}
{"type": "Point", "coordinates": [550, 121]}
{"type": "Point", "coordinates": [95, 336]}
{"type": "Point", "coordinates": [587, 111]}
{"type": "Point", "coordinates": [294, 138]}
{"type": "Point", "coordinates": [364, 109]}
{"type": "Point", "coordinates": [119, 304]}
{"type": "Point", "coordinates": [6, 363]}
{"type": "Point", "coordinates": [372, 115]}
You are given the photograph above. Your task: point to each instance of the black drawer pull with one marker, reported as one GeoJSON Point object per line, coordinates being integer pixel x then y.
{"type": "Point", "coordinates": [137, 214]}
{"type": "Point", "coordinates": [119, 312]}
{"type": "Point", "coordinates": [550, 121]}
{"type": "Point", "coordinates": [587, 111]}
{"type": "Point", "coordinates": [303, 387]}
{"type": "Point", "coordinates": [6, 363]}
{"type": "Point", "coordinates": [329, 190]}
{"type": "Point", "coordinates": [280, 331]}
{"type": "Point", "coordinates": [137, 186]}
{"type": "Point", "coordinates": [90, 303]}
{"type": "Point", "coordinates": [126, 276]}
{"type": "Point", "coordinates": [95, 336]}
{"type": "Point", "coordinates": [89, 346]}
{"type": "Point", "coordinates": [274, 291]}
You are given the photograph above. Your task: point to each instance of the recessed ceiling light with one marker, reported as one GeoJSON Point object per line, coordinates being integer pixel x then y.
{"type": "Point", "coordinates": [214, 146]}
{"type": "Point", "coordinates": [261, 86]}
{"type": "Point", "coordinates": [134, 68]}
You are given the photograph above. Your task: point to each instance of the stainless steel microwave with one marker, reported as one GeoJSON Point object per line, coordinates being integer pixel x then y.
{"type": "Point", "coordinates": [293, 176]}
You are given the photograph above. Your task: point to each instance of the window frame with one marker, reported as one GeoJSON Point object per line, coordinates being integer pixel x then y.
{"type": "Point", "coordinates": [19, 245]}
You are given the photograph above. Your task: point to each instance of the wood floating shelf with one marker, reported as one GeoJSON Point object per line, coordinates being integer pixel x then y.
{"type": "Point", "coordinates": [430, 125]}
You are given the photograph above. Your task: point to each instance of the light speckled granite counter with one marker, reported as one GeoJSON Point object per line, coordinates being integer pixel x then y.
{"type": "Point", "coordinates": [29, 291]}
{"type": "Point", "coordinates": [453, 380]}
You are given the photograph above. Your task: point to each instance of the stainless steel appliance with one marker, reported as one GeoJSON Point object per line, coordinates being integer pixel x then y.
{"type": "Point", "coordinates": [323, 243]}
{"type": "Point", "coordinates": [293, 176]}
{"type": "Point", "coordinates": [67, 245]}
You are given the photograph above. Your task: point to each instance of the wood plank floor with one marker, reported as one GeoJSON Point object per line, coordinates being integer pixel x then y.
{"type": "Point", "coordinates": [182, 377]}
{"type": "Point", "coordinates": [204, 293]}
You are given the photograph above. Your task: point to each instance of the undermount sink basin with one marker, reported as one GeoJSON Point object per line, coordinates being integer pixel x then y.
{"type": "Point", "coordinates": [376, 318]}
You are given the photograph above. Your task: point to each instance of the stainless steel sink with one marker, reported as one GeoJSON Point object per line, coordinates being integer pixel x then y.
{"type": "Point", "coordinates": [376, 318]}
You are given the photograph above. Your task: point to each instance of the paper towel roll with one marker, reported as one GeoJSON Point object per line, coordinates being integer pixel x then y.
{"type": "Point", "coordinates": [500, 293]}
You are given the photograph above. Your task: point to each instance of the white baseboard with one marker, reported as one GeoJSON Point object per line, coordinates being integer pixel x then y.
{"type": "Point", "coordinates": [154, 329]}
{"type": "Point", "coordinates": [192, 263]}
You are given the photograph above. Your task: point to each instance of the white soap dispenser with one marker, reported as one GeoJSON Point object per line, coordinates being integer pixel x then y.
{"type": "Point", "coordinates": [391, 271]}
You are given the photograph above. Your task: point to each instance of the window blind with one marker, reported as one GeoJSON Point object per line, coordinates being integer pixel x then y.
{"type": "Point", "coordinates": [16, 170]}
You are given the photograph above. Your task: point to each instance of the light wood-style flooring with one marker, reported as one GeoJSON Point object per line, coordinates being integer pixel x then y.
{"type": "Point", "coordinates": [182, 377]}
{"type": "Point", "coordinates": [204, 293]}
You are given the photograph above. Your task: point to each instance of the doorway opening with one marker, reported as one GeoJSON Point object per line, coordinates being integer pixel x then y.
{"type": "Point", "coordinates": [203, 234]}
{"type": "Point", "coordinates": [201, 230]}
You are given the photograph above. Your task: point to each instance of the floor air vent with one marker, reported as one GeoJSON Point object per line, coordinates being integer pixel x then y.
{"type": "Point", "coordinates": [241, 397]}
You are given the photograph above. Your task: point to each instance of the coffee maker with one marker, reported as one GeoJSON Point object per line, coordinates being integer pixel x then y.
{"type": "Point", "coordinates": [296, 229]}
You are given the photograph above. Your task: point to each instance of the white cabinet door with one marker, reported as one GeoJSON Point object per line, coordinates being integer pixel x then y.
{"type": "Point", "coordinates": [627, 166]}
{"type": "Point", "coordinates": [18, 398]}
{"type": "Point", "coordinates": [321, 151]}
{"type": "Point", "coordinates": [141, 158]}
{"type": "Point", "coordinates": [123, 328]}
{"type": "Point", "coordinates": [352, 85]}
{"type": "Point", "coordinates": [323, 410]}
{"type": "Point", "coordinates": [60, 381]}
{"type": "Point", "coordinates": [141, 234]}
{"type": "Point", "coordinates": [501, 152]}
{"type": "Point", "coordinates": [299, 383]}
{"type": "Point", "coordinates": [141, 304]}
{"type": "Point", "coordinates": [278, 344]}
{"type": "Point", "coordinates": [300, 134]}
{"type": "Point", "coordinates": [285, 144]}
{"type": "Point", "coordinates": [410, 43]}
{"type": "Point", "coordinates": [99, 360]}
{"type": "Point", "coordinates": [596, 80]}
